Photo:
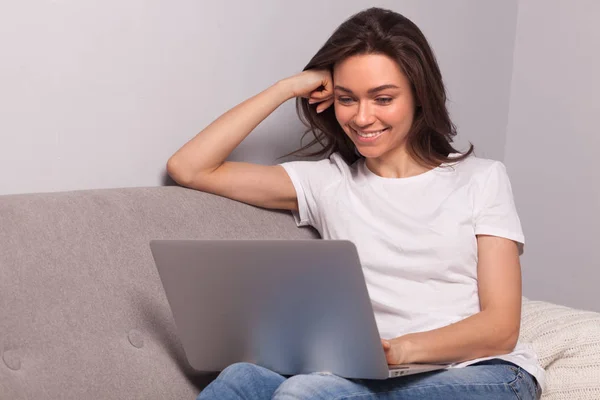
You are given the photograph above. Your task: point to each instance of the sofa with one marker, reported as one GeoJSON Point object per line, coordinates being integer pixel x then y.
{"type": "Point", "coordinates": [83, 313]}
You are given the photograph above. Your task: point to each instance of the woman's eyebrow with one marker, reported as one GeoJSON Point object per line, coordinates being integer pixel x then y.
{"type": "Point", "coordinates": [370, 91]}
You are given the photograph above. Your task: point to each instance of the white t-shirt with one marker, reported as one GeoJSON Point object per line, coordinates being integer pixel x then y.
{"type": "Point", "coordinates": [415, 236]}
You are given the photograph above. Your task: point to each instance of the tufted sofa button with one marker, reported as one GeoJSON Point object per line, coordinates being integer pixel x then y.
{"type": "Point", "coordinates": [11, 360]}
{"type": "Point", "coordinates": [135, 338]}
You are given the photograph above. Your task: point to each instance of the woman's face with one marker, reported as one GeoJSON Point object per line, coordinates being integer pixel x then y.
{"type": "Point", "coordinates": [373, 97]}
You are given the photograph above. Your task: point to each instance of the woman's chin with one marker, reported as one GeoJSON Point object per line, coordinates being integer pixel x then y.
{"type": "Point", "coordinates": [368, 151]}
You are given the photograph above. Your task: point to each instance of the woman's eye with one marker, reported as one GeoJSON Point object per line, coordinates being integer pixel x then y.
{"type": "Point", "coordinates": [380, 100]}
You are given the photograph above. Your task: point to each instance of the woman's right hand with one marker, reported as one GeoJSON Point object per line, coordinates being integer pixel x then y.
{"type": "Point", "coordinates": [315, 85]}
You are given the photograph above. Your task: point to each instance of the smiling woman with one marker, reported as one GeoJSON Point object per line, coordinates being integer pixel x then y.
{"type": "Point", "coordinates": [374, 105]}
{"type": "Point", "coordinates": [382, 66]}
{"type": "Point", "coordinates": [436, 230]}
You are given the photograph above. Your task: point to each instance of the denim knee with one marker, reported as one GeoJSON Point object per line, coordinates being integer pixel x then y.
{"type": "Point", "coordinates": [317, 386]}
{"type": "Point", "coordinates": [239, 370]}
{"type": "Point", "coordinates": [242, 381]}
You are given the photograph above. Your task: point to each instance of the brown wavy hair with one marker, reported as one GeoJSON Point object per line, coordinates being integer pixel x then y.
{"type": "Point", "coordinates": [381, 31]}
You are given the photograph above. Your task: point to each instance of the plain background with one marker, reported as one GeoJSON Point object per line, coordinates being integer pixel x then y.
{"type": "Point", "coordinates": [99, 95]}
{"type": "Point", "coordinates": [552, 145]}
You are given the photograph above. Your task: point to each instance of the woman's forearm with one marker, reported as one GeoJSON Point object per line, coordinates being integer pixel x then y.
{"type": "Point", "coordinates": [484, 334]}
{"type": "Point", "coordinates": [211, 147]}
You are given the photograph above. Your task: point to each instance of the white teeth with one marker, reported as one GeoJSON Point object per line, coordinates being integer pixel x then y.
{"type": "Point", "coordinates": [370, 135]}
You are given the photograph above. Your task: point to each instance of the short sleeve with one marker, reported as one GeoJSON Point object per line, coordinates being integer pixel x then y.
{"type": "Point", "coordinates": [495, 212]}
{"type": "Point", "coordinates": [310, 179]}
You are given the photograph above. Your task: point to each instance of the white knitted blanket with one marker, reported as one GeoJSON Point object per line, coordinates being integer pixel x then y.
{"type": "Point", "coordinates": [567, 343]}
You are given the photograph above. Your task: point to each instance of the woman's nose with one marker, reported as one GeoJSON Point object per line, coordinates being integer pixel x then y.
{"type": "Point", "coordinates": [364, 116]}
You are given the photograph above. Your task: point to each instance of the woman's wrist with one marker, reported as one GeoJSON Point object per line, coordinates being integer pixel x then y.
{"type": "Point", "coordinates": [286, 88]}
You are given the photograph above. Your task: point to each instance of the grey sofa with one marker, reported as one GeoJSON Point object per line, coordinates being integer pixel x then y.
{"type": "Point", "coordinates": [82, 310]}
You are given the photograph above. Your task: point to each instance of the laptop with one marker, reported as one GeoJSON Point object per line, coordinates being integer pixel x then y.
{"type": "Point", "coordinates": [292, 306]}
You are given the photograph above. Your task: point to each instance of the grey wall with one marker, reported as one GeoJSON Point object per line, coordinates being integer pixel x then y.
{"type": "Point", "coordinates": [552, 148]}
{"type": "Point", "coordinates": [99, 94]}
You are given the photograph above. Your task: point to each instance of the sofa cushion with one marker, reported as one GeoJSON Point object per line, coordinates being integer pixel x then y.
{"type": "Point", "coordinates": [82, 310]}
{"type": "Point", "coordinates": [567, 343]}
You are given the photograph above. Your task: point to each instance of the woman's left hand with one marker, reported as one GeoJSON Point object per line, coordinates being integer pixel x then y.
{"type": "Point", "coordinates": [396, 351]}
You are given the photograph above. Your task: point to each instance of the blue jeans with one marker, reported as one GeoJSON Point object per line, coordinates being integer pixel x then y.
{"type": "Point", "coordinates": [489, 380]}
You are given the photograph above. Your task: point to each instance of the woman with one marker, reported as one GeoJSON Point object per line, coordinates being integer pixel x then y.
{"type": "Point", "coordinates": [437, 231]}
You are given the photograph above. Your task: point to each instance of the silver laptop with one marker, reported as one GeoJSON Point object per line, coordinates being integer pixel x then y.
{"type": "Point", "coordinates": [292, 306]}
